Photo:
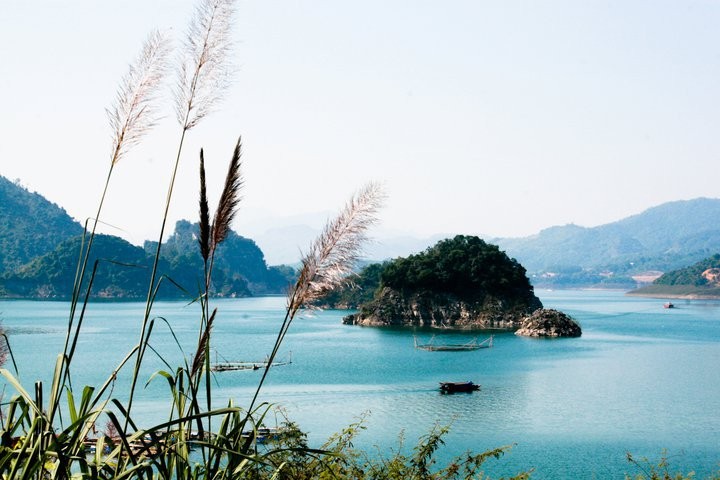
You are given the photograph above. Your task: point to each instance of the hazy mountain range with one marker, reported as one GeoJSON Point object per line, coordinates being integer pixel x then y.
{"type": "Point", "coordinates": [662, 238]}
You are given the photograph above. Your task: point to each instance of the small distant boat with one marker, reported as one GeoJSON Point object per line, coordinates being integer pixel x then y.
{"type": "Point", "coordinates": [453, 387]}
{"type": "Point", "coordinates": [669, 305]}
{"type": "Point", "coordinates": [454, 347]}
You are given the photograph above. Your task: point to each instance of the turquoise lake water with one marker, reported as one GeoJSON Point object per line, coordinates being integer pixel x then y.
{"type": "Point", "coordinates": [641, 379]}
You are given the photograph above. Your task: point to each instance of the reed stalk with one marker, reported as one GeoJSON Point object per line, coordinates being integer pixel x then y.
{"type": "Point", "coordinates": [44, 451]}
{"type": "Point", "coordinates": [329, 261]}
{"type": "Point", "coordinates": [202, 78]}
{"type": "Point", "coordinates": [211, 236]}
{"type": "Point", "coordinates": [131, 117]}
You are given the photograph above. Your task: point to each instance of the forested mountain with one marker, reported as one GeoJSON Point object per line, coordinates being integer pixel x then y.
{"type": "Point", "coordinates": [705, 272]}
{"type": "Point", "coordinates": [30, 225]}
{"type": "Point", "coordinates": [123, 269]}
{"type": "Point", "coordinates": [238, 261]}
{"type": "Point", "coordinates": [40, 244]}
{"type": "Point", "coordinates": [664, 238]}
{"type": "Point", "coordinates": [701, 279]}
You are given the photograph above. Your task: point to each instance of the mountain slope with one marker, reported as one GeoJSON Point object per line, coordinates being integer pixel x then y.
{"type": "Point", "coordinates": [700, 280]}
{"type": "Point", "coordinates": [124, 269]}
{"type": "Point", "coordinates": [668, 236]}
{"type": "Point", "coordinates": [30, 225]}
{"type": "Point", "coordinates": [238, 260]}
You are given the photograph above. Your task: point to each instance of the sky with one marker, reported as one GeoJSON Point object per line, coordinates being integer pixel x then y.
{"type": "Point", "coordinates": [496, 118]}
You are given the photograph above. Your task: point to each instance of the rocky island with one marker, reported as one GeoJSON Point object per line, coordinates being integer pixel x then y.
{"type": "Point", "coordinates": [546, 322]}
{"type": "Point", "coordinates": [460, 283]}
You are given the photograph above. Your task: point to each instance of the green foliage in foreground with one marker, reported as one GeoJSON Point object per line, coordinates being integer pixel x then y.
{"type": "Point", "coordinates": [341, 460]}
{"type": "Point", "coordinates": [661, 470]}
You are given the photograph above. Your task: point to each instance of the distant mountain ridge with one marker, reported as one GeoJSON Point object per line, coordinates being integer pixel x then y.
{"type": "Point", "coordinates": [666, 237]}
{"type": "Point", "coordinates": [663, 238]}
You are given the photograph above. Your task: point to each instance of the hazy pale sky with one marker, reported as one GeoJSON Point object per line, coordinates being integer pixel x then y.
{"type": "Point", "coordinates": [497, 118]}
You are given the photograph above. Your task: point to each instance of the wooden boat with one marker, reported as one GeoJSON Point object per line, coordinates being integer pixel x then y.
{"type": "Point", "coordinates": [453, 387]}
{"type": "Point", "coordinates": [454, 347]}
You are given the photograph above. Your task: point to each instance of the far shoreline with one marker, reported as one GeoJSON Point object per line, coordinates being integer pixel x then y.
{"type": "Point", "coordinates": [675, 296]}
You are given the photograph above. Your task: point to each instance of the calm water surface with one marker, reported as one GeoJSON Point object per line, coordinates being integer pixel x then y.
{"type": "Point", "coordinates": [641, 379]}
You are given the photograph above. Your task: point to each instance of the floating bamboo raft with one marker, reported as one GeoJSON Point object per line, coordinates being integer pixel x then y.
{"type": "Point", "coordinates": [454, 347]}
{"type": "Point", "coordinates": [227, 366]}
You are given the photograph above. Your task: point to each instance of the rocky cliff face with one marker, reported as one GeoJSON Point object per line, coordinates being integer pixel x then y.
{"type": "Point", "coordinates": [392, 308]}
{"type": "Point", "coordinates": [549, 323]}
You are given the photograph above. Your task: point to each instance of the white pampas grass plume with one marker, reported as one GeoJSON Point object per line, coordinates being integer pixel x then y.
{"type": "Point", "coordinates": [134, 112]}
{"type": "Point", "coordinates": [204, 73]}
{"type": "Point", "coordinates": [330, 259]}
{"type": "Point", "coordinates": [335, 252]}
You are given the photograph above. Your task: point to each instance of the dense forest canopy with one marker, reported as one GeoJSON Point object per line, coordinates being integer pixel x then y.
{"type": "Point", "coordinates": [123, 269]}
{"type": "Point", "coordinates": [463, 266]}
{"type": "Point", "coordinates": [30, 225]}
{"type": "Point", "coordinates": [40, 245]}
{"type": "Point", "coordinates": [459, 283]}
{"type": "Point", "coordinates": [460, 266]}
{"type": "Point", "coordinates": [692, 275]}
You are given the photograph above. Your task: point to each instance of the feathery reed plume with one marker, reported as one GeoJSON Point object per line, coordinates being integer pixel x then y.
{"type": "Point", "coordinates": [203, 346]}
{"type": "Point", "coordinates": [210, 237]}
{"type": "Point", "coordinates": [131, 117]}
{"type": "Point", "coordinates": [204, 238]}
{"type": "Point", "coordinates": [330, 259]}
{"type": "Point", "coordinates": [203, 73]}
{"type": "Point", "coordinates": [134, 111]}
{"type": "Point", "coordinates": [334, 253]}
{"type": "Point", "coordinates": [3, 346]}
{"type": "Point", "coordinates": [227, 207]}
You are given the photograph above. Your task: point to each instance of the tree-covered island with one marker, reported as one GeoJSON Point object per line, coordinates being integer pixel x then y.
{"type": "Point", "coordinates": [462, 283]}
